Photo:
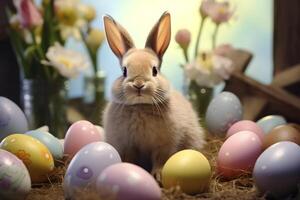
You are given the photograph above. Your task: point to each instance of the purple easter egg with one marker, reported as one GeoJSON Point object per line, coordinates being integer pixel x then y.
{"type": "Point", "coordinates": [126, 181]}
{"type": "Point", "coordinates": [87, 164]}
{"type": "Point", "coordinates": [15, 181]}
{"type": "Point", "coordinates": [277, 170]}
{"type": "Point", "coordinates": [12, 118]}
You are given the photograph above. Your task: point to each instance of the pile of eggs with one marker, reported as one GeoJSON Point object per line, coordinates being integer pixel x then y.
{"type": "Point", "coordinates": [28, 157]}
{"type": "Point", "coordinates": [268, 149]}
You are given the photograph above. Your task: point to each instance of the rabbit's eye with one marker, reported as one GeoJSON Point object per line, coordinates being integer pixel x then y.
{"type": "Point", "coordinates": [124, 71]}
{"type": "Point", "coordinates": [154, 71]}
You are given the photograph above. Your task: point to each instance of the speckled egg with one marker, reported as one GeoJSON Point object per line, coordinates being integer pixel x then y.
{"type": "Point", "coordinates": [87, 165]}
{"type": "Point", "coordinates": [269, 122]}
{"type": "Point", "coordinates": [222, 112]}
{"type": "Point", "coordinates": [126, 181]}
{"type": "Point", "coordinates": [238, 154]}
{"type": "Point", "coordinates": [15, 182]}
{"type": "Point", "coordinates": [51, 142]}
{"type": "Point", "coordinates": [245, 125]}
{"type": "Point", "coordinates": [78, 135]}
{"type": "Point", "coordinates": [277, 170]}
{"type": "Point", "coordinates": [34, 154]}
{"type": "Point", "coordinates": [12, 118]}
{"type": "Point", "coordinates": [188, 169]}
{"type": "Point", "coordinates": [282, 133]}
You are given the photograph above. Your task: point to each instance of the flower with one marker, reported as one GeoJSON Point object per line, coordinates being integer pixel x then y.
{"type": "Point", "coordinates": [220, 12]}
{"type": "Point", "coordinates": [183, 38]}
{"type": "Point", "coordinates": [68, 63]}
{"type": "Point", "coordinates": [70, 20]}
{"type": "Point", "coordinates": [209, 69]}
{"type": "Point", "coordinates": [87, 12]}
{"type": "Point", "coordinates": [223, 49]}
{"type": "Point", "coordinates": [28, 14]}
{"type": "Point", "coordinates": [205, 7]}
{"type": "Point", "coordinates": [94, 39]}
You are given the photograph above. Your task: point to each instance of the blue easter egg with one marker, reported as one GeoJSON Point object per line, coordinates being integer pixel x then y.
{"type": "Point", "coordinates": [271, 121]}
{"type": "Point", "coordinates": [51, 142]}
{"type": "Point", "coordinates": [222, 112]}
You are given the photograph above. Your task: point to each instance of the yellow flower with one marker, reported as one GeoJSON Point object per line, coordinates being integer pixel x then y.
{"type": "Point", "coordinates": [94, 39]}
{"type": "Point", "coordinates": [70, 20]}
{"type": "Point", "coordinates": [87, 12]}
{"type": "Point", "coordinates": [205, 61]}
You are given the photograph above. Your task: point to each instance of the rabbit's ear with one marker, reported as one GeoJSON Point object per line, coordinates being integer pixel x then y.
{"type": "Point", "coordinates": [160, 35]}
{"type": "Point", "coordinates": [118, 38]}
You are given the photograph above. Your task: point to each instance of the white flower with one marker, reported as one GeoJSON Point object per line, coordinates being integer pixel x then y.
{"type": "Point", "coordinates": [68, 63]}
{"type": "Point", "coordinates": [209, 69]}
{"type": "Point", "coordinates": [222, 66]}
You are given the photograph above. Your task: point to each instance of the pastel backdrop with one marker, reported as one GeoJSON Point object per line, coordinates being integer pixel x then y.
{"type": "Point", "coordinates": [250, 29]}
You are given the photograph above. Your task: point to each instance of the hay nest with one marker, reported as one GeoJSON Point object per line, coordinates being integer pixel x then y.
{"type": "Point", "coordinates": [239, 188]}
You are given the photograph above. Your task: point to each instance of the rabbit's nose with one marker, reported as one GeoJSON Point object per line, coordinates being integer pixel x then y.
{"type": "Point", "coordinates": [138, 86]}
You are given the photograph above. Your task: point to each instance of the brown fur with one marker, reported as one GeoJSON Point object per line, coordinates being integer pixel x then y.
{"type": "Point", "coordinates": [155, 121]}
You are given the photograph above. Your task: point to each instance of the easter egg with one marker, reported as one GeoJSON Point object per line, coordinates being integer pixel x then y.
{"type": "Point", "coordinates": [245, 125]}
{"type": "Point", "coordinates": [282, 133]}
{"type": "Point", "coordinates": [78, 135]}
{"type": "Point", "coordinates": [277, 170]}
{"type": "Point", "coordinates": [101, 131]}
{"type": "Point", "coordinates": [126, 181]}
{"type": "Point", "coordinates": [15, 182]}
{"type": "Point", "coordinates": [12, 118]}
{"type": "Point", "coordinates": [51, 142]}
{"type": "Point", "coordinates": [32, 152]}
{"type": "Point", "coordinates": [87, 165]}
{"type": "Point", "coordinates": [223, 111]}
{"type": "Point", "coordinates": [188, 169]}
{"type": "Point", "coordinates": [238, 154]}
{"type": "Point", "coordinates": [269, 122]}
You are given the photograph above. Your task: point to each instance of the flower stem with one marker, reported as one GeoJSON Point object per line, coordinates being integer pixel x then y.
{"type": "Point", "coordinates": [40, 54]}
{"type": "Point", "coordinates": [214, 36]}
{"type": "Point", "coordinates": [198, 36]}
{"type": "Point", "coordinates": [185, 53]}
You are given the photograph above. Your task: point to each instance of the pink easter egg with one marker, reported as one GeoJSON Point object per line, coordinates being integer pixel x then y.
{"type": "Point", "coordinates": [126, 181]}
{"type": "Point", "coordinates": [245, 125]}
{"type": "Point", "coordinates": [78, 135]}
{"type": "Point", "coordinates": [238, 154]}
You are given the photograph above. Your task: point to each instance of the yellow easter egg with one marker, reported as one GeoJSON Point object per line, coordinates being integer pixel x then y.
{"type": "Point", "coordinates": [188, 169]}
{"type": "Point", "coordinates": [32, 152]}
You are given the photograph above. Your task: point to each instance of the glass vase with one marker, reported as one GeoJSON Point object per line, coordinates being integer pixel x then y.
{"type": "Point", "coordinates": [94, 96]}
{"type": "Point", "coordinates": [200, 96]}
{"type": "Point", "coordinates": [44, 103]}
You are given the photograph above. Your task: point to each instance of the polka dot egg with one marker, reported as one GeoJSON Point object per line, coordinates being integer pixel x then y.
{"type": "Point", "coordinates": [87, 164]}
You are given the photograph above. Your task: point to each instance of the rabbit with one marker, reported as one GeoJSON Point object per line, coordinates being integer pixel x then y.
{"type": "Point", "coordinates": [146, 117]}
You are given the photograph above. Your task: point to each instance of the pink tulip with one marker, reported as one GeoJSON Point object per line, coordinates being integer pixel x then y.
{"type": "Point", "coordinates": [28, 14]}
{"type": "Point", "coordinates": [220, 12]}
{"type": "Point", "coordinates": [183, 38]}
{"type": "Point", "coordinates": [205, 7]}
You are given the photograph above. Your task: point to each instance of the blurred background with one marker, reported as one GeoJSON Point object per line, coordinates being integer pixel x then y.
{"type": "Point", "coordinates": [261, 40]}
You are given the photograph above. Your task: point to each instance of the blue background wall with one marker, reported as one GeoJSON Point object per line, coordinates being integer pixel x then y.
{"type": "Point", "coordinates": [250, 29]}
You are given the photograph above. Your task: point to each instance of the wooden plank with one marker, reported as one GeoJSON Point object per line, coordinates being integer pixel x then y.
{"type": "Point", "coordinates": [281, 101]}
{"type": "Point", "coordinates": [287, 77]}
{"type": "Point", "coordinates": [252, 106]}
{"type": "Point", "coordinates": [241, 59]}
